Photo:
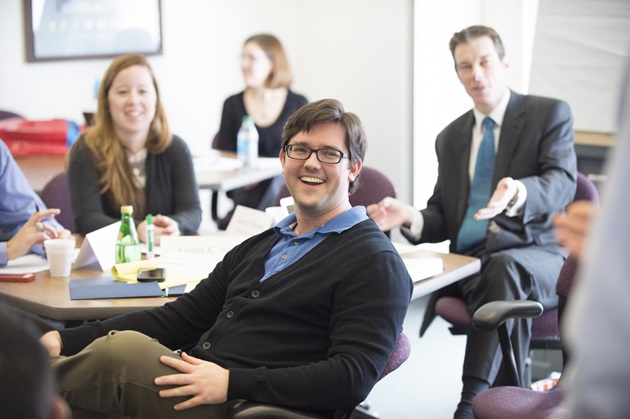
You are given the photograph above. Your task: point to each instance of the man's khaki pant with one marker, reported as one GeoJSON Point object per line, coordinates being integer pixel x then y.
{"type": "Point", "coordinates": [113, 378]}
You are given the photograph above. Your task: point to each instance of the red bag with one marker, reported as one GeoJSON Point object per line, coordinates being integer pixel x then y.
{"type": "Point", "coordinates": [31, 138]}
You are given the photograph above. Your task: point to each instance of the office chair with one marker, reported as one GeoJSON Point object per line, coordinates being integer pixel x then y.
{"type": "Point", "coordinates": [545, 334]}
{"type": "Point", "coordinates": [250, 410]}
{"type": "Point", "coordinates": [56, 194]}
{"type": "Point", "coordinates": [8, 114]}
{"type": "Point", "coordinates": [374, 185]}
{"type": "Point", "coordinates": [514, 401]}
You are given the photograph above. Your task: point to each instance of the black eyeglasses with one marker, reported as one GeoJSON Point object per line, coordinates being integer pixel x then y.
{"type": "Point", "coordinates": [324, 155]}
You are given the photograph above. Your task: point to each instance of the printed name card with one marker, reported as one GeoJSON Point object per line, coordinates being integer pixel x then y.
{"type": "Point", "coordinates": [189, 259]}
{"type": "Point", "coordinates": [249, 221]}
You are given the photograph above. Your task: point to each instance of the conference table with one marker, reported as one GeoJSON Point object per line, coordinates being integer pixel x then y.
{"type": "Point", "coordinates": [215, 170]}
{"type": "Point", "coordinates": [49, 297]}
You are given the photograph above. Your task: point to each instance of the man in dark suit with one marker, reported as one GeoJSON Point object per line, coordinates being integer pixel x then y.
{"type": "Point", "coordinates": [532, 177]}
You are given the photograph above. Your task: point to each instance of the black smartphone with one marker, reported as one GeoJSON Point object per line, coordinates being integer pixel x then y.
{"type": "Point", "coordinates": [151, 274]}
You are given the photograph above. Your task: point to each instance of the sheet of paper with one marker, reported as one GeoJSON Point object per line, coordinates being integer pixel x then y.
{"type": "Point", "coordinates": [189, 259]}
{"type": "Point", "coordinates": [277, 213]}
{"type": "Point", "coordinates": [216, 163]}
{"type": "Point", "coordinates": [423, 268]}
{"type": "Point", "coordinates": [98, 247]}
{"type": "Point", "coordinates": [27, 264]}
{"type": "Point", "coordinates": [128, 272]}
{"type": "Point", "coordinates": [404, 248]}
{"type": "Point", "coordinates": [249, 221]}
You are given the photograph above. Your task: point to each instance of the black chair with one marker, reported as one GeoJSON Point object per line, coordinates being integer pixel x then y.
{"type": "Point", "coordinates": [513, 402]}
{"type": "Point", "coordinates": [250, 410]}
{"type": "Point", "coordinates": [8, 114]}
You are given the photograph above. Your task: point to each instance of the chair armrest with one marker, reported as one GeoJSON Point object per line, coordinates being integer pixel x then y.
{"type": "Point", "coordinates": [491, 315]}
{"type": "Point", "coordinates": [249, 410]}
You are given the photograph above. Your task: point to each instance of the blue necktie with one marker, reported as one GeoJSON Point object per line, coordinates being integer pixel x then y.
{"type": "Point", "coordinates": [472, 232]}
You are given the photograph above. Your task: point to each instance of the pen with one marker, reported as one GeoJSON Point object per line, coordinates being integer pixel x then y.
{"type": "Point", "coordinates": [38, 225]}
{"type": "Point", "coordinates": [150, 232]}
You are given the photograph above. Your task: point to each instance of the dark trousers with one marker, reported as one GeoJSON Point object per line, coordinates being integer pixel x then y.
{"type": "Point", "coordinates": [528, 273]}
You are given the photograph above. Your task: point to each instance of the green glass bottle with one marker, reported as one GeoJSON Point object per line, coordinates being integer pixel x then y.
{"type": "Point", "coordinates": [127, 244]}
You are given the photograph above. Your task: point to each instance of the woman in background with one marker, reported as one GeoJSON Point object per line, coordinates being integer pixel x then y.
{"type": "Point", "coordinates": [269, 101]}
{"type": "Point", "coordinates": [130, 157]}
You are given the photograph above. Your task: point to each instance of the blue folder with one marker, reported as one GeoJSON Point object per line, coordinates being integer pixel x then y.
{"type": "Point", "coordinates": [108, 287]}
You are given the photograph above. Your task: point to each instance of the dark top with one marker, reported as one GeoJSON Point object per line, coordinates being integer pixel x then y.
{"type": "Point", "coordinates": [171, 189]}
{"type": "Point", "coordinates": [269, 140]}
{"type": "Point", "coordinates": [316, 335]}
{"type": "Point", "coordinates": [263, 194]}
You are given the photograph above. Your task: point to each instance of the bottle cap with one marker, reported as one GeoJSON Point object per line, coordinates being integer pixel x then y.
{"type": "Point", "coordinates": [149, 219]}
{"type": "Point", "coordinates": [248, 118]}
{"type": "Point", "coordinates": [126, 209]}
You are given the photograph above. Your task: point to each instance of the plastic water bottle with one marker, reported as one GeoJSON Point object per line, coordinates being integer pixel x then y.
{"type": "Point", "coordinates": [127, 243]}
{"type": "Point", "coordinates": [247, 143]}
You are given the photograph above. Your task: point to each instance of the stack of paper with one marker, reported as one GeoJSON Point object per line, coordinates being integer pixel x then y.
{"type": "Point", "coordinates": [423, 268]}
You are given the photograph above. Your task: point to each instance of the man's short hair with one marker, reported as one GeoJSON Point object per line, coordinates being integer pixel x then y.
{"type": "Point", "coordinates": [473, 32]}
{"type": "Point", "coordinates": [329, 111]}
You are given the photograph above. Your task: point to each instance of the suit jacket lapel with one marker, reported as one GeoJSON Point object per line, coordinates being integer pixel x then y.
{"type": "Point", "coordinates": [461, 157]}
{"type": "Point", "coordinates": [510, 133]}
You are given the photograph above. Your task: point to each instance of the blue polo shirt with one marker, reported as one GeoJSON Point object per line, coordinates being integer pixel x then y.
{"type": "Point", "coordinates": [292, 247]}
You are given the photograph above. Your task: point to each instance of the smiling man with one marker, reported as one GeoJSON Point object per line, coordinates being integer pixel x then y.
{"type": "Point", "coordinates": [505, 168]}
{"type": "Point", "coordinates": [304, 315]}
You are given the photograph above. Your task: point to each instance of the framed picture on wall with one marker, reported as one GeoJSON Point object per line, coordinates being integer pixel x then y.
{"type": "Point", "coordinates": [81, 29]}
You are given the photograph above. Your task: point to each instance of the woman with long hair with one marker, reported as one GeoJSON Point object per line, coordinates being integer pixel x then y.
{"type": "Point", "coordinates": [130, 157]}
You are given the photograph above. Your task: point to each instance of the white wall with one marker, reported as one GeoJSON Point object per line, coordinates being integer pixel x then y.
{"type": "Point", "coordinates": [358, 51]}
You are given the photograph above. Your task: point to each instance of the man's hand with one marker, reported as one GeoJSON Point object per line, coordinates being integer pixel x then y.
{"type": "Point", "coordinates": [34, 231]}
{"type": "Point", "coordinates": [390, 213]}
{"type": "Point", "coordinates": [505, 192]}
{"type": "Point", "coordinates": [573, 226]}
{"type": "Point", "coordinates": [52, 342]}
{"type": "Point", "coordinates": [205, 381]}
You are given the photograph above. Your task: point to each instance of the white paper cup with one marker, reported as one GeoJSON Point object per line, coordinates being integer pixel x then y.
{"type": "Point", "coordinates": [59, 253]}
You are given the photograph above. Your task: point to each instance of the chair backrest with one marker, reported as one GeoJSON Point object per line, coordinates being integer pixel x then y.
{"type": "Point", "coordinates": [8, 114]}
{"type": "Point", "coordinates": [585, 189]}
{"type": "Point", "coordinates": [374, 185]}
{"type": "Point", "coordinates": [401, 353]}
{"type": "Point", "coordinates": [56, 194]}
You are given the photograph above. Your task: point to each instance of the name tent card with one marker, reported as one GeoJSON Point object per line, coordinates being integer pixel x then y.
{"type": "Point", "coordinates": [98, 248]}
{"type": "Point", "coordinates": [249, 221]}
